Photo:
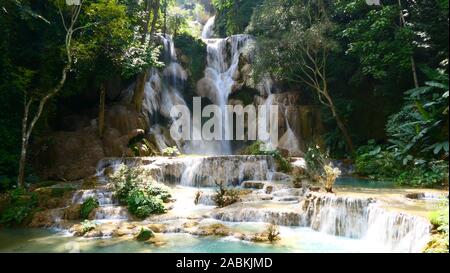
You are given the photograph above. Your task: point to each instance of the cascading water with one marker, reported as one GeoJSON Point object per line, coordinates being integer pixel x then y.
{"type": "Point", "coordinates": [163, 90]}
{"type": "Point", "coordinates": [208, 29]}
{"type": "Point", "coordinates": [220, 77]}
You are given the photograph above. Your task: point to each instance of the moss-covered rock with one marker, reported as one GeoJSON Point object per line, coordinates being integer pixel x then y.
{"type": "Point", "coordinates": [193, 59]}
{"type": "Point", "coordinates": [144, 235]}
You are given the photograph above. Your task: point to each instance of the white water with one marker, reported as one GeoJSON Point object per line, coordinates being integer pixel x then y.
{"type": "Point", "coordinates": [208, 30]}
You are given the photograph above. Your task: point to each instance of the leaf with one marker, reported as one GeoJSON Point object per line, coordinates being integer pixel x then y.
{"type": "Point", "coordinates": [437, 148]}
{"type": "Point", "coordinates": [446, 146]}
{"type": "Point", "coordinates": [437, 85]}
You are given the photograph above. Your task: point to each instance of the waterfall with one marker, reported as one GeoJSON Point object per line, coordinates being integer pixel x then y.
{"type": "Point", "coordinates": [199, 171]}
{"type": "Point", "coordinates": [365, 219]}
{"type": "Point", "coordinates": [208, 30]}
{"type": "Point", "coordinates": [163, 89]}
{"type": "Point", "coordinates": [220, 77]}
{"type": "Point", "coordinates": [348, 217]}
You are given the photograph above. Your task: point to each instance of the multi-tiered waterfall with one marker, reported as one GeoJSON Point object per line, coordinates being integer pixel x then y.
{"type": "Point", "coordinates": [265, 195]}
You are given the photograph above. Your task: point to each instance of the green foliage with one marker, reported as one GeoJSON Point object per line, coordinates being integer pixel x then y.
{"type": "Point", "coordinates": [233, 16]}
{"type": "Point", "coordinates": [160, 191]}
{"type": "Point", "coordinates": [375, 37]}
{"type": "Point", "coordinates": [142, 204]}
{"type": "Point", "coordinates": [285, 31]}
{"type": "Point", "coordinates": [87, 226]}
{"type": "Point", "coordinates": [379, 163]}
{"type": "Point", "coordinates": [87, 207]}
{"type": "Point", "coordinates": [145, 234]}
{"type": "Point", "coordinates": [22, 205]}
{"type": "Point", "coordinates": [142, 197]}
{"type": "Point", "coordinates": [257, 148]}
{"type": "Point", "coordinates": [195, 50]}
{"type": "Point", "coordinates": [374, 161]}
{"type": "Point", "coordinates": [440, 240]}
{"type": "Point", "coordinates": [316, 160]}
{"type": "Point", "coordinates": [6, 183]}
{"type": "Point", "coordinates": [419, 129]}
{"type": "Point", "coordinates": [171, 151]}
{"type": "Point", "coordinates": [125, 179]}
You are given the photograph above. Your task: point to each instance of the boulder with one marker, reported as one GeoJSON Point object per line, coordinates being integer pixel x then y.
{"type": "Point", "coordinates": [69, 155]}
{"type": "Point", "coordinates": [74, 155]}
{"type": "Point", "coordinates": [72, 212]}
{"type": "Point", "coordinates": [46, 218]}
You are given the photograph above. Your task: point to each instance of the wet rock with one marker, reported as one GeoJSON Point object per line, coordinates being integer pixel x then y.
{"type": "Point", "coordinates": [190, 224]}
{"type": "Point", "coordinates": [415, 195]}
{"type": "Point", "coordinates": [94, 234]}
{"type": "Point", "coordinates": [144, 234]}
{"type": "Point", "coordinates": [46, 218]}
{"type": "Point", "coordinates": [73, 212]}
{"type": "Point", "coordinates": [69, 155]}
{"type": "Point", "coordinates": [277, 176]}
{"type": "Point", "coordinates": [211, 230]}
{"type": "Point", "coordinates": [269, 189]}
{"type": "Point", "coordinates": [89, 182]}
{"type": "Point", "coordinates": [157, 241]}
{"type": "Point", "coordinates": [253, 185]}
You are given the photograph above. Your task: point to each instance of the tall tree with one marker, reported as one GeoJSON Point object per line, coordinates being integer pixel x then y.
{"type": "Point", "coordinates": [28, 127]}
{"type": "Point", "coordinates": [295, 40]}
{"type": "Point", "coordinates": [151, 8]}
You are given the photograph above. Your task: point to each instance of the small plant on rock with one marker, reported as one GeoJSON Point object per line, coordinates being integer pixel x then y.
{"type": "Point", "coordinates": [273, 233]}
{"type": "Point", "coordinates": [125, 179]}
{"type": "Point", "coordinates": [161, 191]}
{"type": "Point", "coordinates": [171, 151]}
{"type": "Point", "coordinates": [142, 205]}
{"type": "Point", "coordinates": [330, 176]}
{"type": "Point", "coordinates": [87, 226]}
{"type": "Point", "coordinates": [198, 194]}
{"type": "Point", "coordinates": [320, 169]}
{"type": "Point", "coordinates": [225, 197]}
{"type": "Point", "coordinates": [145, 234]}
{"type": "Point", "coordinates": [87, 207]}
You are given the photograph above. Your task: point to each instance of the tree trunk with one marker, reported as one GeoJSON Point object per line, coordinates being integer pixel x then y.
{"type": "Point", "coordinates": [27, 129]}
{"type": "Point", "coordinates": [101, 113]}
{"type": "Point", "coordinates": [156, 6]}
{"type": "Point", "coordinates": [413, 62]}
{"type": "Point", "coordinates": [23, 151]}
{"type": "Point", "coordinates": [165, 17]}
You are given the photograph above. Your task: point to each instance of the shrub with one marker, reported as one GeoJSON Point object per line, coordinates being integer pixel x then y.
{"type": "Point", "coordinates": [225, 197]}
{"type": "Point", "coordinates": [87, 207]}
{"type": "Point", "coordinates": [160, 191]}
{"type": "Point", "coordinates": [316, 160]}
{"type": "Point", "coordinates": [374, 161]}
{"type": "Point", "coordinates": [439, 242]}
{"type": "Point", "coordinates": [273, 233]}
{"type": "Point", "coordinates": [125, 179]}
{"type": "Point", "coordinates": [171, 151]}
{"type": "Point", "coordinates": [6, 183]}
{"type": "Point", "coordinates": [330, 176]}
{"type": "Point", "coordinates": [144, 235]}
{"type": "Point", "coordinates": [22, 205]}
{"type": "Point", "coordinates": [379, 163]}
{"type": "Point", "coordinates": [142, 205]}
{"type": "Point", "coordinates": [143, 198]}
{"type": "Point", "coordinates": [87, 226]}
{"type": "Point", "coordinates": [430, 174]}
{"type": "Point", "coordinates": [257, 149]}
